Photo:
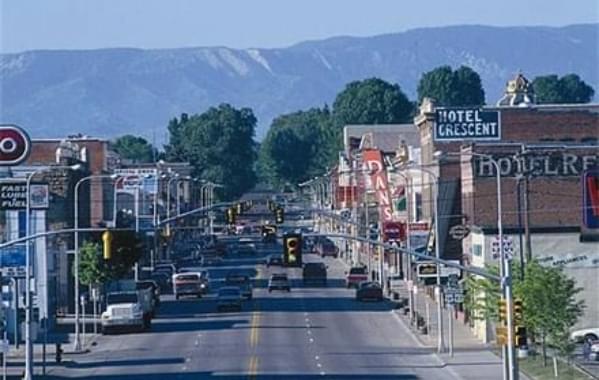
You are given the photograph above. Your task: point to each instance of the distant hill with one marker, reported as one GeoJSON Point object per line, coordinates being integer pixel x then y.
{"type": "Point", "coordinates": [110, 92]}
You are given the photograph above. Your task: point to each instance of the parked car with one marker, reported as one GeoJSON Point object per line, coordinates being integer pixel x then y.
{"type": "Point", "coordinates": [210, 261]}
{"type": "Point", "coordinates": [279, 281]}
{"type": "Point", "coordinates": [356, 276]}
{"type": "Point", "coordinates": [229, 297]}
{"type": "Point", "coordinates": [591, 334]}
{"type": "Point", "coordinates": [369, 291]}
{"type": "Point", "coordinates": [314, 273]}
{"type": "Point", "coordinates": [274, 260]}
{"type": "Point", "coordinates": [186, 284]}
{"type": "Point", "coordinates": [242, 281]}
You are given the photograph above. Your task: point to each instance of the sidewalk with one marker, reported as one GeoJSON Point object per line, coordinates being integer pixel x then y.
{"type": "Point", "coordinates": [471, 360]}
{"type": "Point", "coordinates": [16, 357]}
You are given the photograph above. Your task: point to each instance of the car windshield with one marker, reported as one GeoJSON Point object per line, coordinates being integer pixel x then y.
{"type": "Point", "coordinates": [279, 278]}
{"type": "Point", "coordinates": [114, 298]}
{"type": "Point", "coordinates": [357, 271]}
{"type": "Point", "coordinates": [188, 277]}
{"type": "Point", "coordinates": [237, 278]}
{"type": "Point", "coordinates": [145, 285]}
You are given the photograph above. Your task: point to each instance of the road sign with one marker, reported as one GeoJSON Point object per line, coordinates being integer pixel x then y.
{"type": "Point", "coordinates": [454, 298]}
{"type": "Point", "coordinates": [15, 145]}
{"type": "Point", "coordinates": [508, 247]}
{"type": "Point", "coordinates": [429, 270]}
{"type": "Point", "coordinates": [459, 232]}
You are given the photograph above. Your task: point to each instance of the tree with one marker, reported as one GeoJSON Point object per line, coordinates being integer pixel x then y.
{"type": "Point", "coordinates": [92, 267]}
{"type": "Point", "coordinates": [371, 101]}
{"type": "Point", "coordinates": [547, 315]}
{"type": "Point", "coordinates": [219, 145]}
{"type": "Point", "coordinates": [567, 89]}
{"type": "Point", "coordinates": [459, 88]}
{"type": "Point", "coordinates": [297, 147]}
{"type": "Point", "coordinates": [134, 148]}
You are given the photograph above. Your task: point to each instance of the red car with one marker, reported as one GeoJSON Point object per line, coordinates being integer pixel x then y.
{"type": "Point", "coordinates": [356, 276]}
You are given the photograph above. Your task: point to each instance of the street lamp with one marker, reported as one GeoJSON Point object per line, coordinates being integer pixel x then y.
{"type": "Point", "coordinates": [77, 340]}
{"type": "Point", "coordinates": [435, 177]}
{"type": "Point", "coordinates": [29, 308]}
{"type": "Point", "coordinates": [505, 268]}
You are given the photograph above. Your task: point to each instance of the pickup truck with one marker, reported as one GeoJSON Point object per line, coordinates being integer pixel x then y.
{"type": "Point", "coordinates": [355, 276]}
{"type": "Point", "coordinates": [127, 310]}
{"type": "Point", "coordinates": [188, 284]}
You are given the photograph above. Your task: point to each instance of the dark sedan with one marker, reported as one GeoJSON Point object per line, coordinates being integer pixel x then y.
{"type": "Point", "coordinates": [369, 291]}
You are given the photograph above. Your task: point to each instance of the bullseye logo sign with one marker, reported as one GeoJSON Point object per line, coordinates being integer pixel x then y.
{"type": "Point", "coordinates": [14, 145]}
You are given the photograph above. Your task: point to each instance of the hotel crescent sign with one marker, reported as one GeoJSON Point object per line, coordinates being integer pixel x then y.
{"type": "Point", "coordinates": [471, 124]}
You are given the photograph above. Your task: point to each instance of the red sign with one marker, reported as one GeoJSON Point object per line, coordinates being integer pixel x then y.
{"type": "Point", "coordinates": [14, 145]}
{"type": "Point", "coordinates": [591, 199]}
{"type": "Point", "coordinates": [394, 231]}
{"type": "Point", "coordinates": [378, 176]}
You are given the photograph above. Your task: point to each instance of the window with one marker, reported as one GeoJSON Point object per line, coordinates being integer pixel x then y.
{"type": "Point", "coordinates": [477, 250]}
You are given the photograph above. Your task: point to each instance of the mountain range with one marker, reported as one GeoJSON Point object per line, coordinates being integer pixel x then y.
{"type": "Point", "coordinates": [110, 92]}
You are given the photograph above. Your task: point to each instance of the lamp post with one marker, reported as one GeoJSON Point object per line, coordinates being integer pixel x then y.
{"type": "Point", "coordinates": [29, 306]}
{"type": "Point", "coordinates": [77, 340]}
{"type": "Point", "coordinates": [435, 177]}
{"type": "Point", "coordinates": [505, 270]}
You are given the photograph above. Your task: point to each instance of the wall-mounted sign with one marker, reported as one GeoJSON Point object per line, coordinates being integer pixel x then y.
{"type": "Point", "coordinates": [473, 124]}
{"type": "Point", "coordinates": [13, 196]}
{"type": "Point", "coordinates": [459, 231]}
{"type": "Point", "coordinates": [590, 202]}
{"type": "Point", "coordinates": [15, 145]}
{"type": "Point", "coordinates": [394, 231]}
{"type": "Point", "coordinates": [373, 158]}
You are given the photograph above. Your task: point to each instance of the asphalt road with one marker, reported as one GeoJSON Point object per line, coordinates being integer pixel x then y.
{"type": "Point", "coordinates": [308, 333]}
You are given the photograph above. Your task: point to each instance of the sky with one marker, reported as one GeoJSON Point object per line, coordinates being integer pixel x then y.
{"type": "Point", "coordinates": [90, 24]}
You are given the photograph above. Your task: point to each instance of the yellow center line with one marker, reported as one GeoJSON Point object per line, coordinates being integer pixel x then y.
{"type": "Point", "coordinates": [254, 335]}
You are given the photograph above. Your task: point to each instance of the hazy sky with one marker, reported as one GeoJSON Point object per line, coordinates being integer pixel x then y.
{"type": "Point", "coordinates": [87, 24]}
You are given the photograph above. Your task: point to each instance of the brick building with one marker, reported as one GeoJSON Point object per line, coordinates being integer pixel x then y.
{"type": "Point", "coordinates": [543, 152]}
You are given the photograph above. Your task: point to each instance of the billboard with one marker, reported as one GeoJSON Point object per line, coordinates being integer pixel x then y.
{"type": "Point", "coordinates": [473, 124]}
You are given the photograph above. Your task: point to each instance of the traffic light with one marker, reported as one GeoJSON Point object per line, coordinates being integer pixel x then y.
{"type": "Point", "coordinates": [502, 310]}
{"type": "Point", "coordinates": [518, 314]}
{"type": "Point", "coordinates": [230, 216]}
{"type": "Point", "coordinates": [279, 215]}
{"type": "Point", "coordinates": [107, 245]}
{"type": "Point", "coordinates": [292, 250]}
{"type": "Point", "coordinates": [521, 340]}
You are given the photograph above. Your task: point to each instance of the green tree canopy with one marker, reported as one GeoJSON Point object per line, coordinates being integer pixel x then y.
{"type": "Point", "coordinates": [459, 88]}
{"type": "Point", "coordinates": [219, 145]}
{"type": "Point", "coordinates": [371, 101]}
{"type": "Point", "coordinates": [548, 315]}
{"type": "Point", "coordinates": [134, 148]}
{"type": "Point", "coordinates": [297, 147]}
{"type": "Point", "coordinates": [567, 89]}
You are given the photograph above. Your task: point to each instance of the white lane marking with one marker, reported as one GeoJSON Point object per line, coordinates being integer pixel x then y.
{"type": "Point", "coordinates": [319, 365]}
{"type": "Point", "coordinates": [317, 357]}
{"type": "Point", "coordinates": [311, 340]}
{"type": "Point", "coordinates": [184, 368]}
{"type": "Point", "coordinates": [322, 373]}
{"type": "Point", "coordinates": [309, 332]}
{"type": "Point", "coordinates": [187, 360]}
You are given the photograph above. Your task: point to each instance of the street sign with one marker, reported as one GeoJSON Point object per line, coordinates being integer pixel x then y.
{"type": "Point", "coordinates": [454, 298]}
{"type": "Point", "coordinates": [15, 145]}
{"type": "Point", "coordinates": [12, 261]}
{"type": "Point", "coordinates": [459, 232]}
{"type": "Point", "coordinates": [508, 247]}
{"type": "Point", "coordinates": [429, 270]}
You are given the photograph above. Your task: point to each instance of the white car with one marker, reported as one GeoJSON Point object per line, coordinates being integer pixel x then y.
{"type": "Point", "coordinates": [582, 334]}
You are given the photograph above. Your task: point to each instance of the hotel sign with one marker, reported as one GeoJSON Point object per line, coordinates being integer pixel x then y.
{"type": "Point", "coordinates": [560, 164]}
{"type": "Point", "coordinates": [471, 124]}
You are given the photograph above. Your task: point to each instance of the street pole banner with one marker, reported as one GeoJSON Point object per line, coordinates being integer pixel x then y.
{"type": "Point", "coordinates": [373, 158]}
